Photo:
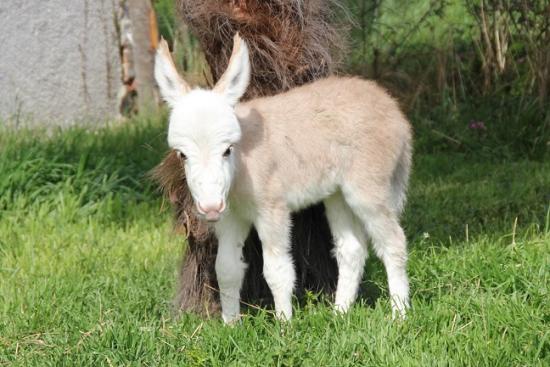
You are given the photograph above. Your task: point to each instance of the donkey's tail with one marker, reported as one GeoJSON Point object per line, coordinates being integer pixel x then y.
{"type": "Point", "coordinates": [400, 178]}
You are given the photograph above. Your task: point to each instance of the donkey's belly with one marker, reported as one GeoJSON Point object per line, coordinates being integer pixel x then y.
{"type": "Point", "coordinates": [301, 197]}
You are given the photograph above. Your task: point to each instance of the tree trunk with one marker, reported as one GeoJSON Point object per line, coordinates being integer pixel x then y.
{"type": "Point", "coordinates": [144, 34]}
{"type": "Point", "coordinates": [291, 43]}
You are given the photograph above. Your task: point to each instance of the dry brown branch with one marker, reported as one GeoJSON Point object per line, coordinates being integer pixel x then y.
{"type": "Point", "coordinates": [292, 42]}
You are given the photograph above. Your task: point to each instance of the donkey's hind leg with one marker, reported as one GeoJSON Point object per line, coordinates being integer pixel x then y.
{"type": "Point", "coordinates": [349, 249]}
{"type": "Point", "coordinates": [388, 240]}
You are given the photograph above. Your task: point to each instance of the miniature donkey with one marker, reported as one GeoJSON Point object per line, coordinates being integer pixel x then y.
{"type": "Point", "coordinates": [342, 141]}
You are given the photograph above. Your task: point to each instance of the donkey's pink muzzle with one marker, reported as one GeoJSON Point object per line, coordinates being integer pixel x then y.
{"type": "Point", "coordinates": [211, 213]}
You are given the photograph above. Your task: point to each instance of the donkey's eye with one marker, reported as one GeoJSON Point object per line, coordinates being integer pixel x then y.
{"type": "Point", "coordinates": [228, 151]}
{"type": "Point", "coordinates": [181, 155]}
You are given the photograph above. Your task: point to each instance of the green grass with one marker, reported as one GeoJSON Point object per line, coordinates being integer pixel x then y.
{"type": "Point", "coordinates": [88, 266]}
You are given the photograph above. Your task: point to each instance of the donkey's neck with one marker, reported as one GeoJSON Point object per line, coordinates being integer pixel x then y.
{"type": "Point", "coordinates": [253, 128]}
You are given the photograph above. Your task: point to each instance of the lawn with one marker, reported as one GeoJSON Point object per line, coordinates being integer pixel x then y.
{"type": "Point", "coordinates": [88, 265]}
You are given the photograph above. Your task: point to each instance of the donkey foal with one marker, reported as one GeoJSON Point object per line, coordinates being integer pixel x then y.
{"type": "Point", "coordinates": [342, 141]}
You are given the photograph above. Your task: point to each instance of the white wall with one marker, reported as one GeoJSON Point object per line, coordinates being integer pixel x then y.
{"type": "Point", "coordinates": [59, 61]}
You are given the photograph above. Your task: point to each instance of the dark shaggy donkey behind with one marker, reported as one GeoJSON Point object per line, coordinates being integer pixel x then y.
{"type": "Point", "coordinates": [291, 43]}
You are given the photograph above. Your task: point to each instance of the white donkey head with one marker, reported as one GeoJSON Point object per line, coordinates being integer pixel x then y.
{"type": "Point", "coordinates": [203, 127]}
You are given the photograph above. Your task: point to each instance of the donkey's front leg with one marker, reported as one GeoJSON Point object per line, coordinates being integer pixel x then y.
{"type": "Point", "coordinates": [230, 267]}
{"type": "Point", "coordinates": [274, 231]}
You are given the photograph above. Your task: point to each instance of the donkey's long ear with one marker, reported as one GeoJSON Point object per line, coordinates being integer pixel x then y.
{"type": "Point", "coordinates": [170, 83]}
{"type": "Point", "coordinates": [234, 80]}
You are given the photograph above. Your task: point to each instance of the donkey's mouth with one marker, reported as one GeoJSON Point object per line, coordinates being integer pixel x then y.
{"type": "Point", "coordinates": [212, 216]}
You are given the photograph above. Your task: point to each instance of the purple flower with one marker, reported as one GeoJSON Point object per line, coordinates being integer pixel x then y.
{"type": "Point", "coordinates": [477, 125]}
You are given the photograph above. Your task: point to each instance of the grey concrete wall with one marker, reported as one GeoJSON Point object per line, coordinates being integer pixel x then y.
{"type": "Point", "coordinates": [59, 61]}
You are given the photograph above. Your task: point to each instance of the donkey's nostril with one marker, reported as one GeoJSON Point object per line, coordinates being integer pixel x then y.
{"type": "Point", "coordinates": [202, 209]}
{"type": "Point", "coordinates": [208, 208]}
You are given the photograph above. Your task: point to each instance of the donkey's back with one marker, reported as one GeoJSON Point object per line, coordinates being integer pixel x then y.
{"type": "Point", "coordinates": [325, 134]}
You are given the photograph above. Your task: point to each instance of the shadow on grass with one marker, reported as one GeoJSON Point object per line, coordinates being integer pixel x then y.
{"type": "Point", "coordinates": [451, 194]}
{"type": "Point", "coordinates": [104, 169]}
